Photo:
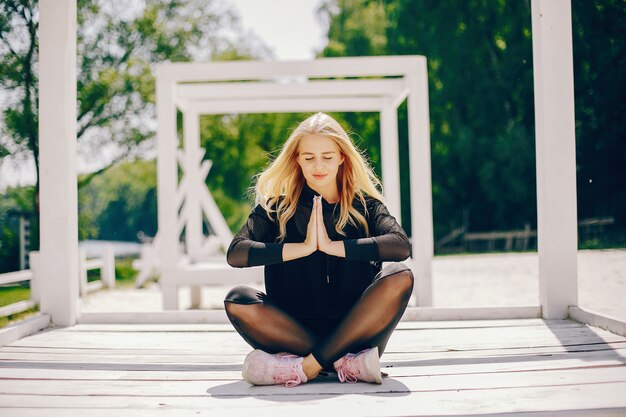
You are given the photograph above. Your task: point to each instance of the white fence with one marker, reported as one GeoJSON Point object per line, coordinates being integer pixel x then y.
{"type": "Point", "coordinates": [106, 265]}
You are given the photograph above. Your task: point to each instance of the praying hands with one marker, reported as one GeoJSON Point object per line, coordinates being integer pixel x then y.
{"type": "Point", "coordinates": [316, 238]}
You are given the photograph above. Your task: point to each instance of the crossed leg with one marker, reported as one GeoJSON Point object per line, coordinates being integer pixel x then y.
{"type": "Point", "coordinates": [369, 323]}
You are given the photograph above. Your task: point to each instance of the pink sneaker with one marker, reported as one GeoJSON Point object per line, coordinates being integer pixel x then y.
{"type": "Point", "coordinates": [262, 368]}
{"type": "Point", "coordinates": [363, 366]}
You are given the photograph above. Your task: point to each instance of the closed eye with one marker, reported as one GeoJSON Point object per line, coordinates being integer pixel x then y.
{"type": "Point", "coordinates": [310, 159]}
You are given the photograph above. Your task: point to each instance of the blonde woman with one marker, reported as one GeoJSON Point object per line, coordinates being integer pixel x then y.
{"type": "Point", "coordinates": [322, 230]}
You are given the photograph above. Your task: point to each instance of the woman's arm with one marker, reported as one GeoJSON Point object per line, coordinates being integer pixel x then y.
{"type": "Point", "coordinates": [388, 241]}
{"type": "Point", "coordinates": [252, 245]}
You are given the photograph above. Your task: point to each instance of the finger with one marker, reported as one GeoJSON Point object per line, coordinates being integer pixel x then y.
{"type": "Point", "coordinates": [320, 218]}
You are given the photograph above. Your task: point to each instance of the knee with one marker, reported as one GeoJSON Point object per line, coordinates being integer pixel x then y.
{"type": "Point", "coordinates": [239, 301]}
{"type": "Point", "coordinates": [243, 295]}
{"type": "Point", "coordinates": [399, 284]}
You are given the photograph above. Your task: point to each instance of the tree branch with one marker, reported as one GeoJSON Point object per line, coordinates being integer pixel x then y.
{"type": "Point", "coordinates": [88, 177]}
{"type": "Point", "coordinates": [99, 121]}
{"type": "Point", "coordinates": [6, 42]}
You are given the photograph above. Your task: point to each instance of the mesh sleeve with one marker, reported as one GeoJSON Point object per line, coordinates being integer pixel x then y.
{"type": "Point", "coordinates": [388, 241]}
{"type": "Point", "coordinates": [253, 244]}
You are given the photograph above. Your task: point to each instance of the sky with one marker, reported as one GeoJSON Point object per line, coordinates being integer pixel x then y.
{"type": "Point", "coordinates": [290, 28]}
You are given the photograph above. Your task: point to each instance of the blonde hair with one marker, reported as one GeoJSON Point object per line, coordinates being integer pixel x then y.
{"type": "Point", "coordinates": [284, 178]}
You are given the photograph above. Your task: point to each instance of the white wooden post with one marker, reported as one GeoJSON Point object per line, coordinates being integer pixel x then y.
{"type": "Point", "coordinates": [35, 282]}
{"type": "Point", "coordinates": [421, 183]}
{"type": "Point", "coordinates": [82, 272]}
{"type": "Point", "coordinates": [167, 181]}
{"type": "Point", "coordinates": [556, 156]}
{"type": "Point", "coordinates": [192, 159]}
{"type": "Point", "coordinates": [108, 266]}
{"type": "Point", "coordinates": [193, 230]}
{"type": "Point", "coordinates": [390, 158]}
{"type": "Point", "coordinates": [57, 161]}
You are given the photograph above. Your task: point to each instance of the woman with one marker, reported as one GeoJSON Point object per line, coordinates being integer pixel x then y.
{"type": "Point", "coordinates": [322, 231]}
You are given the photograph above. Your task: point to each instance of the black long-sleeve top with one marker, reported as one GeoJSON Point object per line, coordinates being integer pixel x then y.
{"type": "Point", "coordinates": [319, 285]}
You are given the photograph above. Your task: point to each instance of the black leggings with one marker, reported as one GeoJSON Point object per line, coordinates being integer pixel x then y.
{"type": "Point", "coordinates": [369, 323]}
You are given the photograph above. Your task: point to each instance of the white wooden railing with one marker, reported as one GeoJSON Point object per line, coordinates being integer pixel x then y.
{"type": "Point", "coordinates": [106, 265]}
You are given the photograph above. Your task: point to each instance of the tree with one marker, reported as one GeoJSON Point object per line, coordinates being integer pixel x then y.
{"type": "Point", "coordinates": [118, 41]}
{"type": "Point", "coordinates": [480, 86]}
{"type": "Point", "coordinates": [599, 82]}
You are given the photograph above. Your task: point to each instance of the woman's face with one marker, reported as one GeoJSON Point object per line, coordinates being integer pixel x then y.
{"type": "Point", "coordinates": [319, 157]}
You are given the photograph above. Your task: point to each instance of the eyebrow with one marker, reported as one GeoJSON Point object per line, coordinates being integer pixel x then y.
{"type": "Point", "coordinates": [323, 153]}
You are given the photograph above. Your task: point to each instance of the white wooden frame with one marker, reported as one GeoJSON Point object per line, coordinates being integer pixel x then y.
{"type": "Point", "coordinates": [552, 52]}
{"type": "Point", "coordinates": [106, 265]}
{"type": "Point", "coordinates": [273, 87]}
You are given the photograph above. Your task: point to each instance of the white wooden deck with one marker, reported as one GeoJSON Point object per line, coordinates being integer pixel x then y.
{"type": "Point", "coordinates": [461, 368]}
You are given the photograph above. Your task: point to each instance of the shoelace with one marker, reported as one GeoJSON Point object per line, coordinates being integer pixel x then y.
{"type": "Point", "coordinates": [348, 370]}
{"type": "Point", "coordinates": [286, 368]}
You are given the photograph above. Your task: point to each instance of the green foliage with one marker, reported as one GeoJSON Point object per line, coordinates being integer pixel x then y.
{"type": "Point", "coordinates": [125, 274]}
{"type": "Point", "coordinates": [481, 101]}
{"type": "Point", "coordinates": [117, 49]}
{"type": "Point", "coordinates": [600, 79]}
{"type": "Point", "coordinates": [480, 90]}
{"type": "Point", "coordinates": [14, 201]}
{"type": "Point", "coordinates": [120, 203]}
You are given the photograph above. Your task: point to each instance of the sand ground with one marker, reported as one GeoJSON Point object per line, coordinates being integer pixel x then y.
{"type": "Point", "coordinates": [502, 279]}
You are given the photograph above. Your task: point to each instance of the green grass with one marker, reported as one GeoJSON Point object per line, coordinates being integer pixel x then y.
{"type": "Point", "coordinates": [13, 294]}
{"type": "Point", "coordinates": [5, 321]}
{"type": "Point", "coordinates": [124, 273]}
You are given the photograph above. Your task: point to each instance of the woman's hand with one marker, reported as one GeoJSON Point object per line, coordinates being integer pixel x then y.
{"type": "Point", "coordinates": [299, 250]}
{"type": "Point", "coordinates": [324, 244]}
{"type": "Point", "coordinates": [311, 241]}
{"type": "Point", "coordinates": [323, 241]}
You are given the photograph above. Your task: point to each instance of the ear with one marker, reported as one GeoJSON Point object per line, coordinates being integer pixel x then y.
{"type": "Point", "coordinates": [341, 159]}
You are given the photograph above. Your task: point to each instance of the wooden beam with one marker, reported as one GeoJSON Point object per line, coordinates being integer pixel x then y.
{"type": "Point", "coordinates": [285, 105]}
{"type": "Point", "coordinates": [193, 157]}
{"type": "Point", "coordinates": [315, 88]}
{"type": "Point", "coordinates": [57, 161]}
{"type": "Point", "coordinates": [421, 185]}
{"type": "Point", "coordinates": [263, 70]}
{"type": "Point", "coordinates": [556, 156]}
{"type": "Point", "coordinates": [390, 156]}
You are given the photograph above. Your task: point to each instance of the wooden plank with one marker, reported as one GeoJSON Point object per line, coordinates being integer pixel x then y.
{"type": "Point", "coordinates": [235, 345]}
{"type": "Point", "coordinates": [23, 328]}
{"type": "Point", "coordinates": [304, 401]}
{"type": "Point", "coordinates": [7, 358]}
{"type": "Point", "coordinates": [195, 368]}
{"type": "Point", "coordinates": [16, 307]}
{"type": "Point", "coordinates": [429, 339]}
{"type": "Point", "coordinates": [95, 263]}
{"type": "Point", "coordinates": [17, 276]}
{"type": "Point", "coordinates": [593, 318]}
{"type": "Point", "coordinates": [155, 317]}
{"type": "Point", "coordinates": [403, 325]}
{"type": "Point", "coordinates": [48, 412]}
{"type": "Point", "coordinates": [471, 313]}
{"type": "Point", "coordinates": [392, 348]}
{"type": "Point", "coordinates": [390, 359]}
{"type": "Point", "coordinates": [425, 383]}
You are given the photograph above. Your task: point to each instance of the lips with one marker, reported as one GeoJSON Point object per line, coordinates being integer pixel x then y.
{"type": "Point", "coordinates": [319, 177]}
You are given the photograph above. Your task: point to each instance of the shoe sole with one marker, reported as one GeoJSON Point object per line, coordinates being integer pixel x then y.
{"type": "Point", "coordinates": [373, 362]}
